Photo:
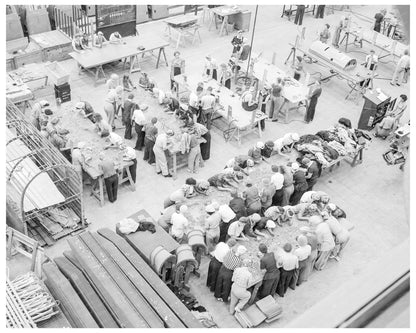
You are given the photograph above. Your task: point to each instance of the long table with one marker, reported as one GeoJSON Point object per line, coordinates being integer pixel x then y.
{"type": "Point", "coordinates": [96, 57]}
{"type": "Point", "coordinates": [185, 25]}
{"type": "Point", "coordinates": [293, 91]}
{"type": "Point", "coordinates": [228, 107]}
{"type": "Point", "coordinates": [18, 92]}
{"type": "Point", "coordinates": [224, 12]}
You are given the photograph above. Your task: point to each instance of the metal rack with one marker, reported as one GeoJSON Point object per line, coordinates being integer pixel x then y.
{"type": "Point", "coordinates": [39, 178]}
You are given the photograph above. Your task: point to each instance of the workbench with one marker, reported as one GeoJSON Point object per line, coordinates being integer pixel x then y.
{"type": "Point", "coordinates": [18, 92]}
{"type": "Point", "coordinates": [288, 12]}
{"type": "Point", "coordinates": [33, 75]}
{"type": "Point", "coordinates": [229, 107]}
{"type": "Point", "coordinates": [224, 12]}
{"type": "Point", "coordinates": [95, 58]}
{"type": "Point", "coordinates": [294, 92]}
{"type": "Point", "coordinates": [184, 26]}
{"type": "Point", "coordinates": [82, 129]}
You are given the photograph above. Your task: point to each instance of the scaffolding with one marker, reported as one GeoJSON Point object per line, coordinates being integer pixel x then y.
{"type": "Point", "coordinates": [41, 181]}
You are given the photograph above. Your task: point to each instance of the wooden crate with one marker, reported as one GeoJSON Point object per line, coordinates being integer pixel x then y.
{"type": "Point", "coordinates": [55, 45]}
{"type": "Point", "coordinates": [28, 58]}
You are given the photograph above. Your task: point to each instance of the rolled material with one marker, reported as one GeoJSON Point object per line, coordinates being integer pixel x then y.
{"type": "Point", "coordinates": [332, 55]}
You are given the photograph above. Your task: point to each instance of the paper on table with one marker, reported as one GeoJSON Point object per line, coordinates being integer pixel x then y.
{"type": "Point", "coordinates": [381, 96]}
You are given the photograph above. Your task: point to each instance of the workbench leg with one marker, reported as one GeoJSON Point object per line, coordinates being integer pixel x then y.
{"type": "Point", "coordinates": [174, 167]}
{"type": "Point", "coordinates": [178, 41]}
{"type": "Point", "coordinates": [223, 25]}
{"type": "Point", "coordinates": [132, 184]}
{"type": "Point", "coordinates": [101, 189]}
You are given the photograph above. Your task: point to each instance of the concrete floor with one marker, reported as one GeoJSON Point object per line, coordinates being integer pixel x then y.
{"type": "Point", "coordinates": [371, 193]}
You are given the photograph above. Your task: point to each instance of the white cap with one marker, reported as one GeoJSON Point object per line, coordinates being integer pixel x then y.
{"type": "Point", "coordinates": [295, 166]}
{"type": "Point", "coordinates": [79, 105]}
{"type": "Point", "coordinates": [260, 145]}
{"type": "Point", "coordinates": [295, 136]}
{"type": "Point", "coordinates": [210, 209]}
{"type": "Point", "coordinates": [270, 224]}
{"type": "Point", "coordinates": [332, 206]}
{"type": "Point", "coordinates": [240, 250]}
{"type": "Point", "coordinates": [183, 209]}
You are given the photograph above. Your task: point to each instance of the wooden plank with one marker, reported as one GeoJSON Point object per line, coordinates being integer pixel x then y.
{"type": "Point", "coordinates": [42, 233]}
{"type": "Point", "coordinates": [113, 295]}
{"type": "Point", "coordinates": [86, 293]}
{"type": "Point", "coordinates": [152, 278]}
{"type": "Point", "coordinates": [142, 307]}
{"type": "Point", "coordinates": [140, 283]}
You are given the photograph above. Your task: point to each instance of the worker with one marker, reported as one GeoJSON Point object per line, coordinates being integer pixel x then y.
{"type": "Point", "coordinates": [85, 109]}
{"type": "Point", "coordinates": [371, 61]}
{"type": "Point", "coordinates": [127, 83]}
{"type": "Point", "coordinates": [37, 110]}
{"type": "Point", "coordinates": [277, 102]}
{"type": "Point", "coordinates": [171, 103]}
{"type": "Point", "coordinates": [77, 44]}
{"type": "Point", "coordinates": [150, 135]}
{"type": "Point", "coordinates": [266, 194]}
{"type": "Point", "coordinates": [108, 168]}
{"type": "Point", "coordinates": [232, 260]}
{"type": "Point", "coordinates": [255, 152]}
{"type": "Point", "coordinates": [244, 162]}
{"type": "Point", "coordinates": [337, 34]}
{"type": "Point", "coordinates": [402, 65]}
{"type": "Point", "coordinates": [267, 151]}
{"type": "Point", "coordinates": [227, 217]}
{"type": "Point", "coordinates": [300, 11]}
{"type": "Point", "coordinates": [236, 229]}
{"type": "Point", "coordinates": [161, 144]}
{"type": "Point", "coordinates": [303, 251]}
{"type": "Point", "coordinates": [59, 139]}
{"type": "Point", "coordinates": [126, 116]}
{"type": "Point", "coordinates": [237, 42]}
{"type": "Point", "coordinates": [399, 109]}
{"type": "Point", "coordinates": [288, 263]}
{"type": "Point", "coordinates": [99, 39]}
{"type": "Point", "coordinates": [194, 101]}
{"type": "Point", "coordinates": [221, 249]}
{"type": "Point", "coordinates": [207, 108]}
{"type": "Point", "coordinates": [224, 77]}
{"type": "Point", "coordinates": [180, 225]}
{"type": "Point", "coordinates": [139, 120]}
{"type": "Point", "coordinates": [271, 272]}
{"type": "Point", "coordinates": [115, 141]}
{"type": "Point", "coordinates": [85, 41]}
{"type": "Point", "coordinates": [237, 204]}
{"type": "Point", "coordinates": [178, 196]}
{"type": "Point", "coordinates": [78, 158]}
{"type": "Point", "coordinates": [210, 67]}
{"type": "Point", "coordinates": [111, 103]}
{"type": "Point", "coordinates": [221, 181]}
{"type": "Point", "coordinates": [298, 68]}
{"type": "Point", "coordinates": [212, 226]}
{"type": "Point", "coordinates": [113, 82]}
{"type": "Point", "coordinates": [115, 38]}
{"type": "Point", "coordinates": [100, 125]}
{"type": "Point", "coordinates": [325, 34]}
{"type": "Point", "coordinates": [378, 18]}
{"type": "Point", "coordinates": [241, 281]}
{"type": "Point", "coordinates": [314, 93]}
{"type": "Point", "coordinates": [341, 234]}
{"type": "Point", "coordinates": [326, 242]}
{"type": "Point", "coordinates": [251, 196]}
{"type": "Point", "coordinates": [277, 179]}
{"type": "Point", "coordinates": [299, 182]}
{"type": "Point", "coordinates": [320, 11]}
{"type": "Point", "coordinates": [52, 126]}
{"type": "Point", "coordinates": [245, 50]}
{"type": "Point", "coordinates": [177, 67]}
{"type": "Point", "coordinates": [248, 101]}
{"type": "Point", "coordinates": [288, 187]}
{"type": "Point", "coordinates": [385, 127]}
{"type": "Point", "coordinates": [312, 172]}
{"type": "Point", "coordinates": [285, 144]}
{"type": "Point", "coordinates": [129, 155]}
{"type": "Point", "coordinates": [164, 220]}
{"type": "Point", "coordinates": [194, 155]}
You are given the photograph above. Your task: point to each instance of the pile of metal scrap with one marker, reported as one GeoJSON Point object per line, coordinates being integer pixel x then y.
{"type": "Point", "coordinates": [28, 302]}
{"type": "Point", "coordinates": [112, 286]}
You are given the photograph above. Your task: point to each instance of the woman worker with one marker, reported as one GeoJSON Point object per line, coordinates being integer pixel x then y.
{"type": "Point", "coordinates": [177, 67]}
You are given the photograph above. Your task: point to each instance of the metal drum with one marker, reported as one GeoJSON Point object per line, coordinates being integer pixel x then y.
{"type": "Point", "coordinates": [160, 258]}
{"type": "Point", "coordinates": [184, 255]}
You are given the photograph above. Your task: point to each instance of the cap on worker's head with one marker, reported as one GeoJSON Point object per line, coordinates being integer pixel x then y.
{"type": "Point", "coordinates": [240, 250]}
{"type": "Point", "coordinates": [209, 89]}
{"type": "Point", "coordinates": [190, 181]}
{"type": "Point", "coordinates": [295, 136]}
{"type": "Point", "coordinates": [81, 144]}
{"type": "Point", "coordinates": [255, 217]}
{"type": "Point", "coordinates": [243, 219]}
{"type": "Point", "coordinates": [99, 32]}
{"type": "Point", "coordinates": [105, 133]}
{"type": "Point", "coordinates": [315, 220]}
{"type": "Point", "coordinates": [101, 155]}
{"type": "Point", "coordinates": [306, 160]}
{"type": "Point", "coordinates": [372, 51]}
{"type": "Point", "coordinates": [130, 96]}
{"type": "Point", "coordinates": [275, 168]}
{"type": "Point", "coordinates": [79, 105]}
{"type": "Point", "coordinates": [54, 120]}
{"type": "Point", "coordinates": [231, 242]}
{"type": "Point", "coordinates": [270, 224]}
{"type": "Point", "coordinates": [43, 103]}
{"type": "Point", "coordinates": [263, 248]}
{"type": "Point", "coordinates": [63, 131]}
{"type": "Point", "coordinates": [240, 31]}
{"type": "Point", "coordinates": [154, 120]}
{"type": "Point", "coordinates": [208, 56]}
{"type": "Point", "coordinates": [170, 132]}
{"type": "Point", "coordinates": [143, 107]}
{"type": "Point", "coordinates": [250, 162]}
{"type": "Point", "coordinates": [295, 166]}
{"type": "Point", "coordinates": [210, 209]}
{"type": "Point", "coordinates": [119, 89]}
{"type": "Point", "coordinates": [48, 112]}
{"type": "Point", "coordinates": [287, 247]}
{"type": "Point", "coordinates": [249, 182]}
{"type": "Point", "coordinates": [183, 208]}
{"type": "Point", "coordinates": [203, 185]}
{"type": "Point", "coordinates": [269, 144]}
{"type": "Point", "coordinates": [302, 240]}
{"type": "Point", "coordinates": [260, 145]}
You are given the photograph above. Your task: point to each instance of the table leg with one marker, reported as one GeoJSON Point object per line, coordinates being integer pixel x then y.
{"type": "Point", "coordinates": [133, 61]}
{"type": "Point", "coordinates": [223, 25]}
{"type": "Point", "coordinates": [259, 128]}
{"type": "Point", "coordinates": [179, 39]}
{"type": "Point", "coordinates": [132, 184]}
{"type": "Point", "coordinates": [174, 166]}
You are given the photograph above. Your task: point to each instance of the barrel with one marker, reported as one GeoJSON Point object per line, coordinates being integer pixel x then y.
{"type": "Point", "coordinates": [160, 258]}
{"type": "Point", "coordinates": [196, 239]}
{"type": "Point", "coordinates": [184, 255]}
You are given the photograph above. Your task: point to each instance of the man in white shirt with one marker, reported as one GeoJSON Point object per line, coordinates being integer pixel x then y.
{"type": "Point", "coordinates": [236, 229]}
{"type": "Point", "coordinates": [371, 61]}
{"type": "Point", "coordinates": [129, 155]}
{"type": "Point", "coordinates": [161, 144]}
{"type": "Point", "coordinates": [302, 252]}
{"type": "Point", "coordinates": [239, 293]}
{"type": "Point", "coordinates": [139, 120]}
{"type": "Point", "coordinates": [326, 242]}
{"type": "Point", "coordinates": [227, 215]}
{"type": "Point", "coordinates": [179, 224]}
{"type": "Point", "coordinates": [285, 144]}
{"type": "Point", "coordinates": [289, 263]}
{"type": "Point", "coordinates": [210, 68]}
{"type": "Point", "coordinates": [277, 180]}
{"type": "Point", "coordinates": [309, 197]}
{"type": "Point", "coordinates": [115, 38]}
{"type": "Point", "coordinates": [207, 108]}
{"type": "Point", "coordinates": [402, 65]}
{"type": "Point", "coordinates": [115, 140]}
{"type": "Point", "coordinates": [194, 100]}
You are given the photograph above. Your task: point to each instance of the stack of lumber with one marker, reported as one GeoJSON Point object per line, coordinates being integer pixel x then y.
{"type": "Point", "coordinates": [16, 313]}
{"type": "Point", "coordinates": [116, 287]}
{"type": "Point", "coordinates": [266, 310]}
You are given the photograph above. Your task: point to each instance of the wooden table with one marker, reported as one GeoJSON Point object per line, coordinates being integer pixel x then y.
{"type": "Point", "coordinates": [18, 92]}
{"type": "Point", "coordinates": [293, 91]}
{"type": "Point", "coordinates": [96, 57]}
{"type": "Point", "coordinates": [184, 26]}
{"type": "Point", "coordinates": [32, 75]}
{"type": "Point", "coordinates": [224, 12]}
{"type": "Point", "coordinates": [228, 107]}
{"type": "Point", "coordinates": [81, 129]}
{"type": "Point", "coordinates": [55, 45]}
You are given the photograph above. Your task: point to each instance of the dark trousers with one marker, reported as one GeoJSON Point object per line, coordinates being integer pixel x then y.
{"type": "Point", "coordinates": [140, 137]}
{"type": "Point", "coordinates": [213, 270]}
{"type": "Point", "coordinates": [310, 112]}
{"type": "Point", "coordinates": [206, 118]}
{"type": "Point", "coordinates": [227, 83]}
{"type": "Point", "coordinates": [277, 198]}
{"type": "Point", "coordinates": [320, 11]}
{"type": "Point", "coordinates": [214, 73]}
{"type": "Point", "coordinates": [132, 169]}
{"type": "Point", "coordinates": [127, 131]}
{"type": "Point", "coordinates": [224, 230]}
{"type": "Point", "coordinates": [297, 194]}
{"type": "Point", "coordinates": [223, 285]}
{"type": "Point", "coordinates": [311, 184]}
{"type": "Point", "coordinates": [299, 14]}
{"type": "Point", "coordinates": [149, 155]}
{"type": "Point", "coordinates": [206, 146]}
{"type": "Point", "coordinates": [269, 287]}
{"type": "Point", "coordinates": [249, 107]}
{"type": "Point", "coordinates": [111, 185]}
{"type": "Point", "coordinates": [285, 280]}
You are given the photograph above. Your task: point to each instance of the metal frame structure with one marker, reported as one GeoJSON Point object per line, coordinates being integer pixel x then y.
{"type": "Point", "coordinates": [50, 161]}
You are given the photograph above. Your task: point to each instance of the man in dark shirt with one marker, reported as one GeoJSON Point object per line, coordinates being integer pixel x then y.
{"type": "Point", "coordinates": [86, 108]}
{"type": "Point", "coordinates": [300, 184]}
{"type": "Point", "coordinates": [378, 19]}
{"type": "Point", "coordinates": [237, 204]}
{"type": "Point", "coordinates": [312, 172]}
{"type": "Point", "coordinates": [107, 167]}
{"type": "Point", "coordinates": [126, 115]}
{"type": "Point", "coordinates": [272, 275]}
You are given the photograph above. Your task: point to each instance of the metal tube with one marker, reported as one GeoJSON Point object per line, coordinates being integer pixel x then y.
{"type": "Point", "coordinates": [252, 39]}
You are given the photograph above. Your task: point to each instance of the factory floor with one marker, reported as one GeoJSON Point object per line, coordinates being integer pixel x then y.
{"type": "Point", "coordinates": [372, 194]}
